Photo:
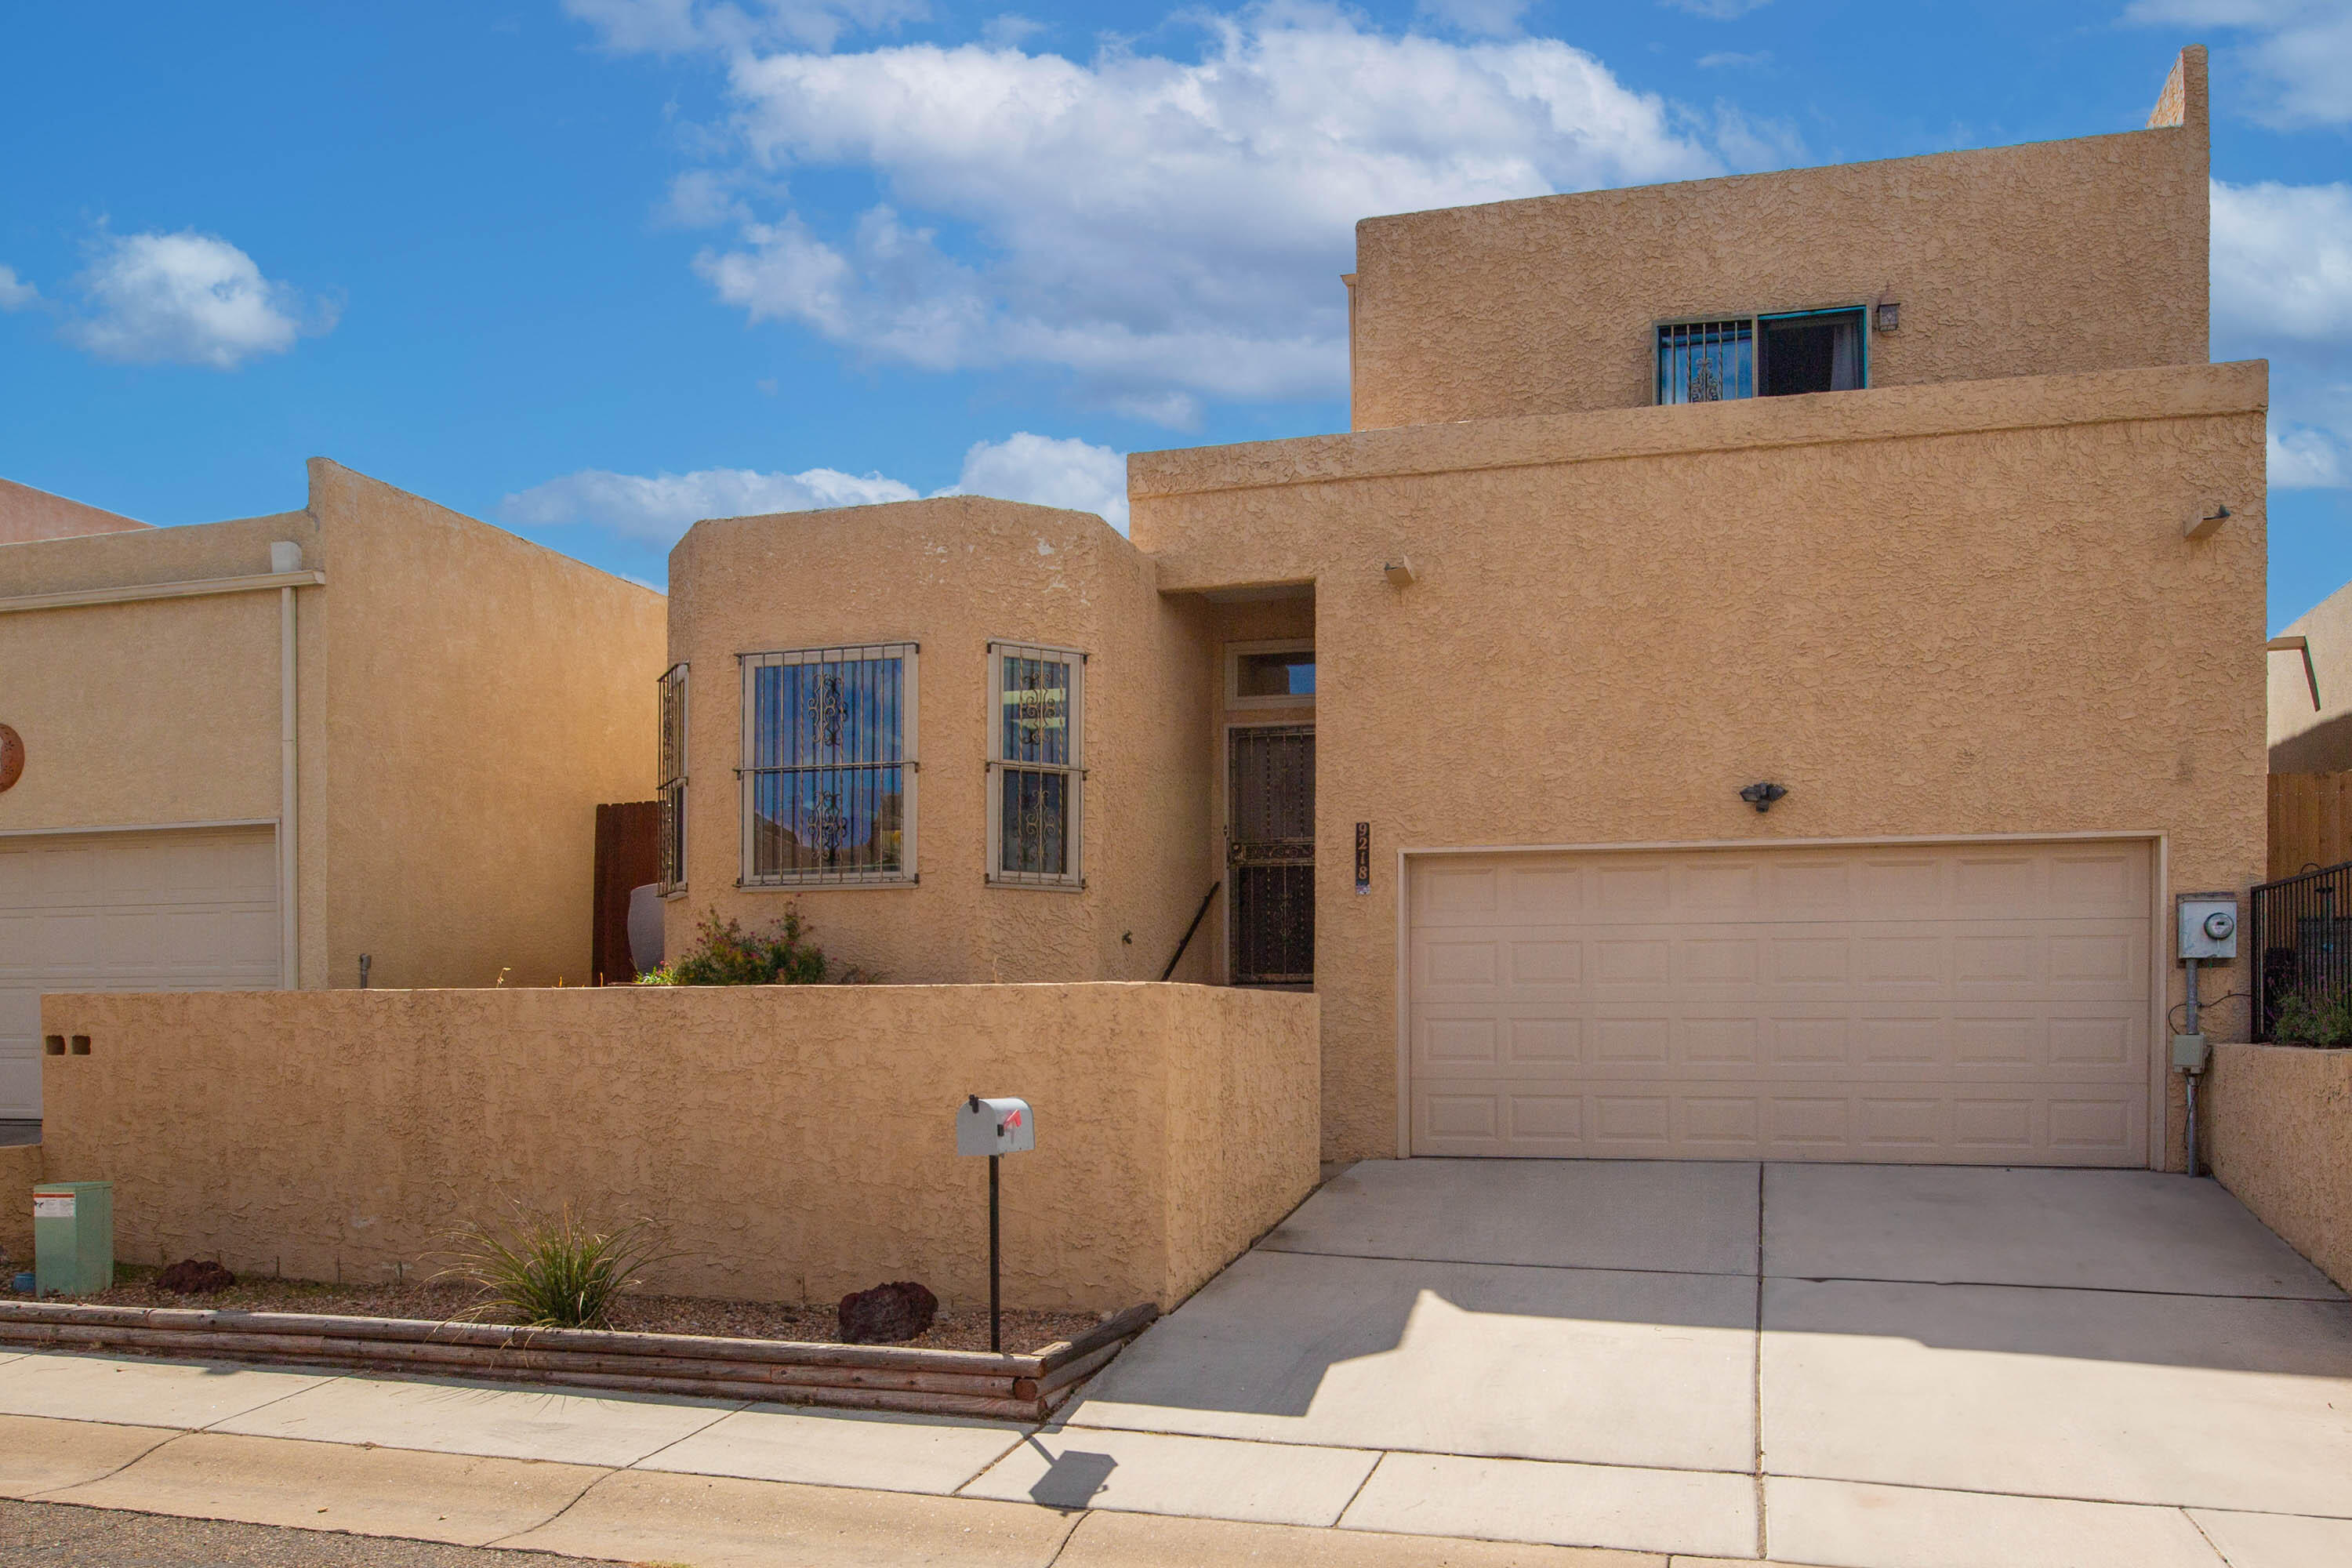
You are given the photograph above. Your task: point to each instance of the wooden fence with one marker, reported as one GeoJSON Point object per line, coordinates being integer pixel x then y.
{"type": "Point", "coordinates": [2311, 821]}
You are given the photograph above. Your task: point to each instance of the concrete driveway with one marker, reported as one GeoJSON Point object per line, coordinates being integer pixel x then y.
{"type": "Point", "coordinates": [1878, 1366]}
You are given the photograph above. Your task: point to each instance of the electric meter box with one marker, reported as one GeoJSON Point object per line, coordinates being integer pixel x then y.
{"type": "Point", "coordinates": [2209, 926]}
{"type": "Point", "coordinates": [995, 1127]}
{"type": "Point", "coordinates": [73, 1238]}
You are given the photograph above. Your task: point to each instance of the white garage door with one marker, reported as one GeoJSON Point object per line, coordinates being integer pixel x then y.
{"type": "Point", "coordinates": [183, 911]}
{"type": "Point", "coordinates": [1980, 1003]}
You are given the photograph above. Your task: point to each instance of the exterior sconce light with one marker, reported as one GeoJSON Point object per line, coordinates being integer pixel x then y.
{"type": "Point", "coordinates": [1762, 795]}
{"type": "Point", "coordinates": [1398, 573]}
{"type": "Point", "coordinates": [1890, 316]}
{"type": "Point", "coordinates": [2206, 527]}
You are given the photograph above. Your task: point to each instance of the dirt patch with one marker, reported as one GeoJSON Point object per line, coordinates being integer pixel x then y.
{"type": "Point", "coordinates": [954, 1330]}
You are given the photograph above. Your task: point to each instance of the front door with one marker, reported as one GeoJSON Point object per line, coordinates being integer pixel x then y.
{"type": "Point", "coordinates": [1270, 854]}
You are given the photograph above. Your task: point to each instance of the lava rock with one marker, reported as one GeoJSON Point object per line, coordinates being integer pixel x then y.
{"type": "Point", "coordinates": [888, 1314]}
{"type": "Point", "coordinates": [195, 1276]}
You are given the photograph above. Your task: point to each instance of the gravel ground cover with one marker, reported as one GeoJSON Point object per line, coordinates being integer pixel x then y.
{"type": "Point", "coordinates": [961, 1329]}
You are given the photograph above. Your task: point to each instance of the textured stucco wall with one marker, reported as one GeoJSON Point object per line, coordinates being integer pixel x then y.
{"type": "Point", "coordinates": [20, 1167]}
{"type": "Point", "coordinates": [26, 513]}
{"type": "Point", "coordinates": [795, 1143]}
{"type": "Point", "coordinates": [482, 694]}
{"type": "Point", "coordinates": [2277, 1126]}
{"type": "Point", "coordinates": [2060, 256]}
{"type": "Point", "coordinates": [158, 711]}
{"type": "Point", "coordinates": [1939, 610]}
{"type": "Point", "coordinates": [953, 574]}
{"type": "Point", "coordinates": [2305, 740]}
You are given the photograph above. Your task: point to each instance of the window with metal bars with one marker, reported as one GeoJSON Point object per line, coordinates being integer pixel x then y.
{"type": "Point", "coordinates": [672, 770]}
{"type": "Point", "coordinates": [829, 766]}
{"type": "Point", "coordinates": [1036, 765]}
{"type": "Point", "coordinates": [1776, 355]}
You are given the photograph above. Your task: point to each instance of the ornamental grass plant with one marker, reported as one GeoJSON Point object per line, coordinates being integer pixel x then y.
{"type": "Point", "coordinates": [550, 1272]}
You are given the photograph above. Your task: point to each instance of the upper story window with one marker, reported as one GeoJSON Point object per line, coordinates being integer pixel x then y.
{"type": "Point", "coordinates": [672, 770]}
{"type": "Point", "coordinates": [1270, 674]}
{"type": "Point", "coordinates": [829, 766]}
{"type": "Point", "coordinates": [1036, 765]}
{"type": "Point", "coordinates": [1762, 356]}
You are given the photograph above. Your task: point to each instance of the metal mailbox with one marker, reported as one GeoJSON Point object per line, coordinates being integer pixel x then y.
{"type": "Point", "coordinates": [995, 1127]}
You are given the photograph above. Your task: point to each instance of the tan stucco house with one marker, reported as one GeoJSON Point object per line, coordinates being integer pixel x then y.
{"type": "Point", "coordinates": [2311, 690]}
{"type": "Point", "coordinates": [1875, 495]}
{"type": "Point", "coordinates": [261, 753]}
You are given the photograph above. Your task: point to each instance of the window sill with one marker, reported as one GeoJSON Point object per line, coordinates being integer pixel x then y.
{"type": "Point", "coordinates": [844, 883]}
{"type": "Point", "coordinates": [1024, 885]}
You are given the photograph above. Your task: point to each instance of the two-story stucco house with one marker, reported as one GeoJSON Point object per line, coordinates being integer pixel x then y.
{"type": "Point", "coordinates": [1750, 683]}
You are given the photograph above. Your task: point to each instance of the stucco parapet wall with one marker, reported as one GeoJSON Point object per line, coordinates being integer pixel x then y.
{"type": "Point", "coordinates": [1884, 414]}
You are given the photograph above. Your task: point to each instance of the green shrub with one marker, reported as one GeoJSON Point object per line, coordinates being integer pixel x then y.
{"type": "Point", "coordinates": [550, 1272]}
{"type": "Point", "coordinates": [2308, 1018]}
{"type": "Point", "coordinates": [724, 956]}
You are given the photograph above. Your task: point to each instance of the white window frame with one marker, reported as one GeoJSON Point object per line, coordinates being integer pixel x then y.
{"type": "Point", "coordinates": [1233, 652]}
{"type": "Point", "coordinates": [671, 767]}
{"type": "Point", "coordinates": [910, 768]}
{"type": "Point", "coordinates": [1072, 880]}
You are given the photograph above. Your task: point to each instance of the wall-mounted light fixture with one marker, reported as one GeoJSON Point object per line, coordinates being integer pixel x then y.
{"type": "Point", "coordinates": [1398, 573]}
{"type": "Point", "coordinates": [1890, 315]}
{"type": "Point", "coordinates": [1762, 795]}
{"type": "Point", "coordinates": [2204, 527]}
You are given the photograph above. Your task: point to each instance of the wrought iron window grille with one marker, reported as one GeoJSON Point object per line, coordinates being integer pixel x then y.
{"type": "Point", "coordinates": [1036, 766]}
{"type": "Point", "coordinates": [670, 771]}
{"type": "Point", "coordinates": [829, 767]}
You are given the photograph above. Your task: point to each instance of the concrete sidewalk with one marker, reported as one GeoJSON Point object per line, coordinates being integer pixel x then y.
{"type": "Point", "coordinates": [649, 1510]}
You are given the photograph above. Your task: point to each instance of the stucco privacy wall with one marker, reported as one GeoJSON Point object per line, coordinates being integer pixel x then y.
{"type": "Point", "coordinates": [482, 695]}
{"type": "Point", "coordinates": [2304, 739]}
{"type": "Point", "coordinates": [953, 574]}
{"type": "Point", "coordinates": [1929, 611]}
{"type": "Point", "coordinates": [795, 1143]}
{"type": "Point", "coordinates": [2079, 255]}
{"type": "Point", "coordinates": [20, 1167]}
{"type": "Point", "coordinates": [2278, 1129]}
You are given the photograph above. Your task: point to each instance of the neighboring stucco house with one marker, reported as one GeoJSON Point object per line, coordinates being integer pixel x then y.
{"type": "Point", "coordinates": [28, 514]}
{"type": "Point", "coordinates": [2311, 690]}
{"type": "Point", "coordinates": [251, 752]}
{"type": "Point", "coordinates": [1880, 485]}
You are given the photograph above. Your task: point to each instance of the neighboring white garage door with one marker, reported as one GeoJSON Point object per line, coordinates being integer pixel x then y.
{"type": "Point", "coordinates": [1976, 1004]}
{"type": "Point", "coordinates": [182, 911]}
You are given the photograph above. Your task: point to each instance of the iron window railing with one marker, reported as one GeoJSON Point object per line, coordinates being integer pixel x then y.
{"type": "Point", "coordinates": [1707, 361]}
{"type": "Point", "coordinates": [671, 769]}
{"type": "Point", "coordinates": [2301, 931]}
{"type": "Point", "coordinates": [1771, 354]}
{"type": "Point", "coordinates": [1036, 765]}
{"type": "Point", "coordinates": [829, 766]}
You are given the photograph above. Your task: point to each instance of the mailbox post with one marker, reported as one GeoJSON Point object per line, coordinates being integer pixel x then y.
{"type": "Point", "coordinates": [995, 1128]}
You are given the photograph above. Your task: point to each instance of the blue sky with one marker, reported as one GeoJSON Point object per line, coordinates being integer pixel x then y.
{"type": "Point", "coordinates": [590, 268]}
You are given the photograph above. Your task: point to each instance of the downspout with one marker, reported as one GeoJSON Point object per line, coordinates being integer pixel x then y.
{"type": "Point", "coordinates": [287, 556]}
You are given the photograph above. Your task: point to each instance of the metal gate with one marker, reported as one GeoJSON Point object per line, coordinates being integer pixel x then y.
{"type": "Point", "coordinates": [2302, 943]}
{"type": "Point", "coordinates": [1270, 847]}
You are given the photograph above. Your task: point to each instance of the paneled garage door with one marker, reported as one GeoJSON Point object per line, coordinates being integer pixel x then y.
{"type": "Point", "coordinates": [180, 910]}
{"type": "Point", "coordinates": [1964, 1004]}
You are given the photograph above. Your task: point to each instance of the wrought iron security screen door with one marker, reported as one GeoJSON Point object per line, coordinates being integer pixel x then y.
{"type": "Point", "coordinates": [1270, 817]}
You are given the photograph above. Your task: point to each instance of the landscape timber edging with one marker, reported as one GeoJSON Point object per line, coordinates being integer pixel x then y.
{"type": "Point", "coordinates": [787, 1372]}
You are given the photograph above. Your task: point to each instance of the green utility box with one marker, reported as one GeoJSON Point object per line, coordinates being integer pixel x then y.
{"type": "Point", "coordinates": [73, 1238]}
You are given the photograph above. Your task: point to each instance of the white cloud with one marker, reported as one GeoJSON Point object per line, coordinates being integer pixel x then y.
{"type": "Point", "coordinates": [2304, 458]}
{"type": "Point", "coordinates": [1481, 18]}
{"type": "Point", "coordinates": [1717, 10]}
{"type": "Point", "coordinates": [2301, 49]}
{"type": "Point", "coordinates": [660, 508]}
{"type": "Point", "coordinates": [1009, 29]}
{"type": "Point", "coordinates": [1163, 230]}
{"type": "Point", "coordinates": [1722, 58]}
{"type": "Point", "coordinates": [2282, 275]}
{"type": "Point", "coordinates": [188, 298]}
{"type": "Point", "coordinates": [677, 26]}
{"type": "Point", "coordinates": [2283, 262]}
{"type": "Point", "coordinates": [657, 509]}
{"type": "Point", "coordinates": [1050, 472]}
{"type": "Point", "coordinates": [15, 294]}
